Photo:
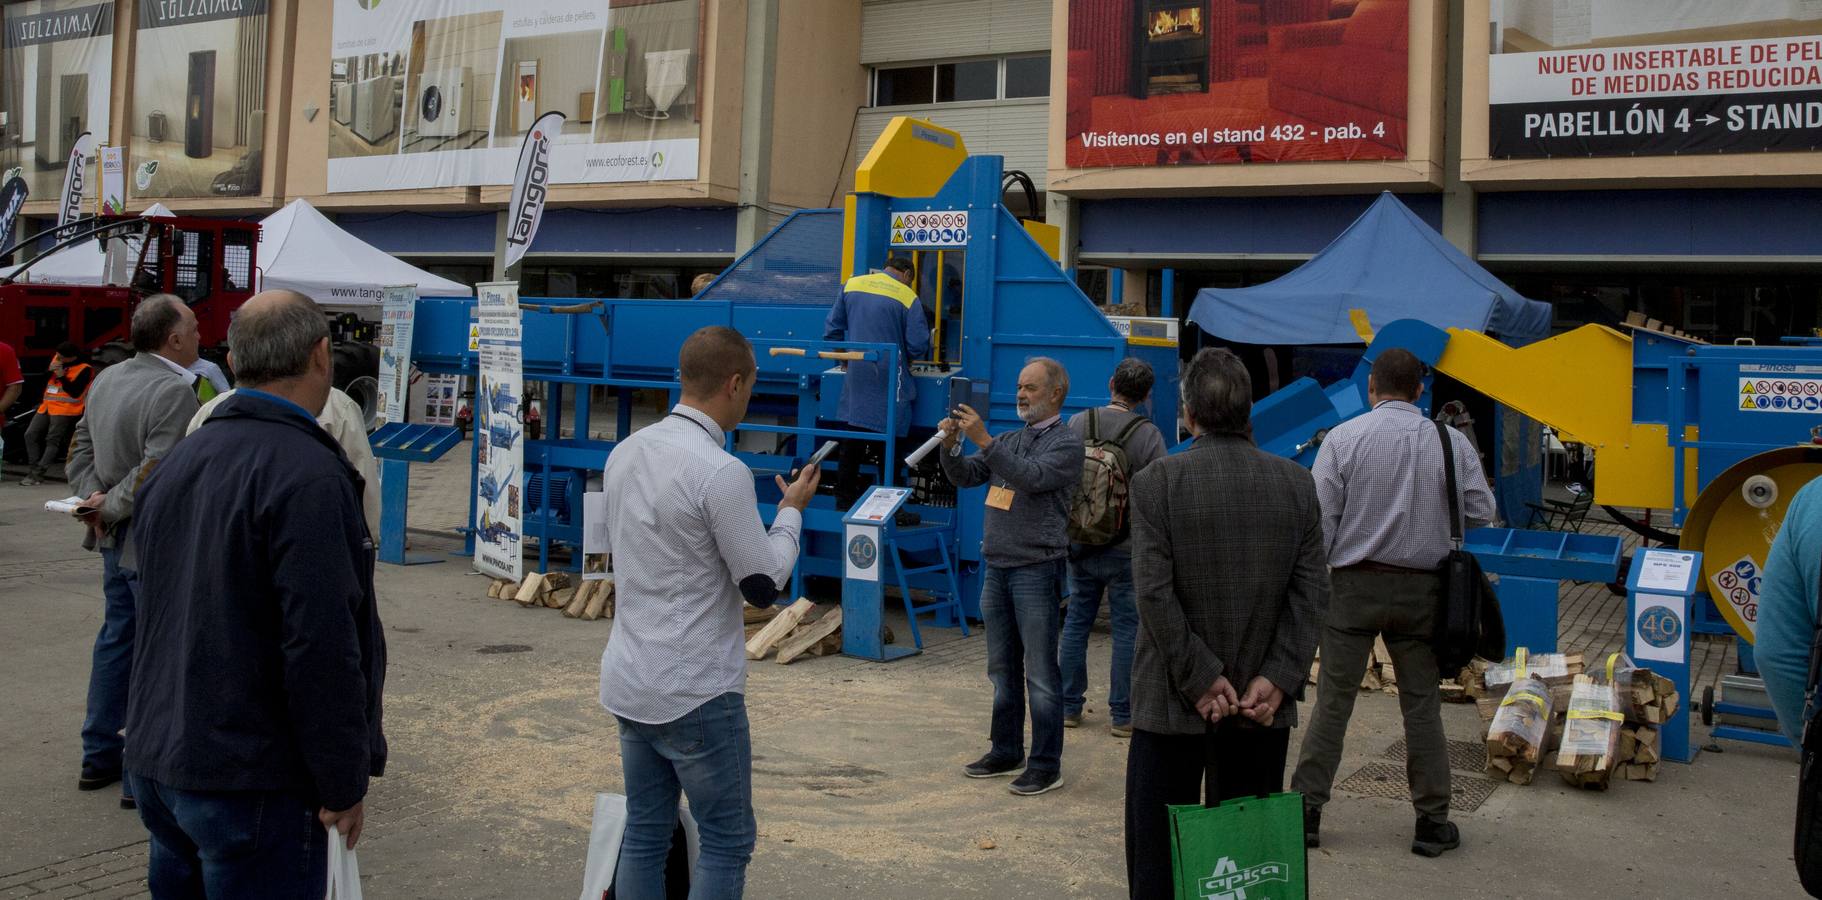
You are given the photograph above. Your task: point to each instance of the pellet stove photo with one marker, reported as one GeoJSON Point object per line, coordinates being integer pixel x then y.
{"type": "Point", "coordinates": [1170, 47]}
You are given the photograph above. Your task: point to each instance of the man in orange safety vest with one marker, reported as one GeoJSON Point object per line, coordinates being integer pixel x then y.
{"type": "Point", "coordinates": [50, 430]}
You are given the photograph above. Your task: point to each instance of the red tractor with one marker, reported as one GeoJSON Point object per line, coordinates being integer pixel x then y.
{"type": "Point", "coordinates": [212, 264]}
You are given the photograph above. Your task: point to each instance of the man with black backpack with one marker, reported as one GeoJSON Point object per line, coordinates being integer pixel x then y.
{"type": "Point", "coordinates": [1117, 442]}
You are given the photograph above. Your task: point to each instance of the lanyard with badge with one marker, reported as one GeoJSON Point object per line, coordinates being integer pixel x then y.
{"type": "Point", "coordinates": [705, 428]}
{"type": "Point", "coordinates": [999, 496]}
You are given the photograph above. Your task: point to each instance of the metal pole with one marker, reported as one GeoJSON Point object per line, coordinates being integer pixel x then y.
{"type": "Point", "coordinates": [759, 75]}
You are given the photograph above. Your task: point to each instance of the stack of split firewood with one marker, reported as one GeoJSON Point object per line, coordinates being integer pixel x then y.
{"type": "Point", "coordinates": [1380, 674]}
{"type": "Point", "coordinates": [801, 629]}
{"type": "Point", "coordinates": [1602, 724]}
{"type": "Point", "coordinates": [589, 599]}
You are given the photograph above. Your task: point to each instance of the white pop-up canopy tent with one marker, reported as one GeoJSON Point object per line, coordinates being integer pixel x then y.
{"type": "Point", "coordinates": [300, 249]}
{"type": "Point", "coordinates": [79, 263]}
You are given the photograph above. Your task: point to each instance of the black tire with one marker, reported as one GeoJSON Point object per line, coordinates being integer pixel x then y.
{"type": "Point", "coordinates": [353, 361]}
{"type": "Point", "coordinates": [1708, 705]}
{"type": "Point", "coordinates": [357, 371]}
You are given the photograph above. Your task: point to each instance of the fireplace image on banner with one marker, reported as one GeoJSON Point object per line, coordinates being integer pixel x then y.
{"type": "Point", "coordinates": [53, 87]}
{"type": "Point", "coordinates": [198, 118]}
{"type": "Point", "coordinates": [547, 73]}
{"type": "Point", "coordinates": [1653, 77]}
{"type": "Point", "coordinates": [1174, 82]}
{"type": "Point", "coordinates": [366, 100]}
{"type": "Point", "coordinates": [448, 86]}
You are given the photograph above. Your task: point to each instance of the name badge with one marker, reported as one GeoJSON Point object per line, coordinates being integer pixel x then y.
{"type": "Point", "coordinates": [999, 497]}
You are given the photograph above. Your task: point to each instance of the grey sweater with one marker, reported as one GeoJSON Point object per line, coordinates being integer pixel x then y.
{"type": "Point", "coordinates": [136, 412]}
{"type": "Point", "coordinates": [1042, 469]}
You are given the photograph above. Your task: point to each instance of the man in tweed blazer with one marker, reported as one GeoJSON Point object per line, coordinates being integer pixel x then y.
{"type": "Point", "coordinates": [1232, 585]}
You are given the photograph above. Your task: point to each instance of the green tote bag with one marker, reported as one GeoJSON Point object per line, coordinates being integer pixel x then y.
{"type": "Point", "coordinates": [1250, 848]}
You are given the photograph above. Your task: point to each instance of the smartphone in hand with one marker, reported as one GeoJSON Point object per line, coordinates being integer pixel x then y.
{"type": "Point", "coordinates": [816, 459]}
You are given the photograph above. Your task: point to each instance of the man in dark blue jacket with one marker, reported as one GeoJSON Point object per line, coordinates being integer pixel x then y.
{"type": "Point", "coordinates": [879, 307]}
{"type": "Point", "coordinates": [253, 721]}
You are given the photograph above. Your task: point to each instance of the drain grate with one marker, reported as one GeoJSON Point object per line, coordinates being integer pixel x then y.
{"type": "Point", "coordinates": [503, 648]}
{"type": "Point", "coordinates": [1465, 756]}
{"type": "Point", "coordinates": [1386, 780]}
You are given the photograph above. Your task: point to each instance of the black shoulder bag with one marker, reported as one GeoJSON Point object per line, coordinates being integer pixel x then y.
{"type": "Point", "coordinates": [1468, 622]}
{"type": "Point", "coordinates": [1808, 844]}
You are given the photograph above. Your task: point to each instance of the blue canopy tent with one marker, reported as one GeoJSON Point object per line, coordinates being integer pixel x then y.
{"type": "Point", "coordinates": [1393, 266]}
{"type": "Point", "coordinates": [1388, 263]}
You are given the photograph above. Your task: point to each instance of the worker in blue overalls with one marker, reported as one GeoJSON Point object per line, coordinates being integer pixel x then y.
{"type": "Point", "coordinates": [879, 307]}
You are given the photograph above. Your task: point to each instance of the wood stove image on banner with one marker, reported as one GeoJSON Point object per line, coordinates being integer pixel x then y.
{"type": "Point", "coordinates": [1170, 47]}
{"type": "Point", "coordinates": [199, 107]}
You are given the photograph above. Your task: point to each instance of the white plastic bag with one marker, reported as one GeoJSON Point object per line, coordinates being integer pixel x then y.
{"type": "Point", "coordinates": [344, 870]}
{"type": "Point", "coordinates": [604, 844]}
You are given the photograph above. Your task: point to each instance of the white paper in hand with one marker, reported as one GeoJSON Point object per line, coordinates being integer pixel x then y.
{"type": "Point", "coordinates": [344, 870]}
{"type": "Point", "coordinates": [69, 506]}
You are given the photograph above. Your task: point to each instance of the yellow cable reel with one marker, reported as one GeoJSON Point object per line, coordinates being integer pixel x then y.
{"type": "Point", "coordinates": [1734, 520]}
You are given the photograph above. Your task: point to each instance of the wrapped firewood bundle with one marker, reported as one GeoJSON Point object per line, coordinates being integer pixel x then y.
{"type": "Point", "coordinates": [1553, 669]}
{"type": "Point", "coordinates": [1591, 734]}
{"type": "Point", "coordinates": [1638, 753]}
{"type": "Point", "coordinates": [1520, 727]}
{"type": "Point", "coordinates": [1646, 697]}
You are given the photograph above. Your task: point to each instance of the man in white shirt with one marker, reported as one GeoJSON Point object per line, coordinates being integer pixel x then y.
{"type": "Point", "coordinates": [688, 547]}
{"type": "Point", "coordinates": [1381, 479]}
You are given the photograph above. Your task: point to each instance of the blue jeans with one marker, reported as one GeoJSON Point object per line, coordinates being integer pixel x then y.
{"type": "Point", "coordinates": [1022, 610]}
{"type": "Point", "coordinates": [207, 844]}
{"type": "Point", "coordinates": [708, 755]}
{"type": "Point", "coordinates": [1110, 570]}
{"type": "Point", "coordinates": [111, 669]}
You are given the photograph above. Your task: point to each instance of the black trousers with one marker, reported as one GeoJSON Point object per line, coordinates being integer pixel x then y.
{"type": "Point", "coordinates": [850, 482]}
{"type": "Point", "coordinates": [1164, 770]}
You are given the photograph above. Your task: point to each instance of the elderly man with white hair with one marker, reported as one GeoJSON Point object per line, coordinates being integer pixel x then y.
{"type": "Point", "coordinates": [1032, 474]}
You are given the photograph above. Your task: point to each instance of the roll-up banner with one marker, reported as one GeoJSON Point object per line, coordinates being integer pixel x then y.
{"type": "Point", "coordinates": [499, 434]}
{"type": "Point", "coordinates": [113, 198]}
{"type": "Point", "coordinates": [530, 186]}
{"type": "Point", "coordinates": [198, 118]}
{"type": "Point", "coordinates": [1584, 78]}
{"type": "Point", "coordinates": [398, 321]}
{"type": "Point", "coordinates": [76, 185]}
{"type": "Point", "coordinates": [12, 198]}
{"type": "Point", "coordinates": [56, 71]}
{"type": "Point", "coordinates": [442, 93]}
{"type": "Point", "coordinates": [1189, 82]}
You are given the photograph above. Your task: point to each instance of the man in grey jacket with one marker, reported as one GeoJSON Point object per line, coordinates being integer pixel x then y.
{"type": "Point", "coordinates": [1032, 475]}
{"type": "Point", "coordinates": [1232, 586]}
{"type": "Point", "coordinates": [136, 412]}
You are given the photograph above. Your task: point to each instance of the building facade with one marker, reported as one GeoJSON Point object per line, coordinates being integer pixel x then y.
{"type": "Point", "coordinates": [1610, 156]}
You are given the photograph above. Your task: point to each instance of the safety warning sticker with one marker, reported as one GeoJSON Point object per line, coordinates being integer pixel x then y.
{"type": "Point", "coordinates": [1773, 394]}
{"type": "Point", "coordinates": [936, 228]}
{"type": "Point", "coordinates": [1738, 587]}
